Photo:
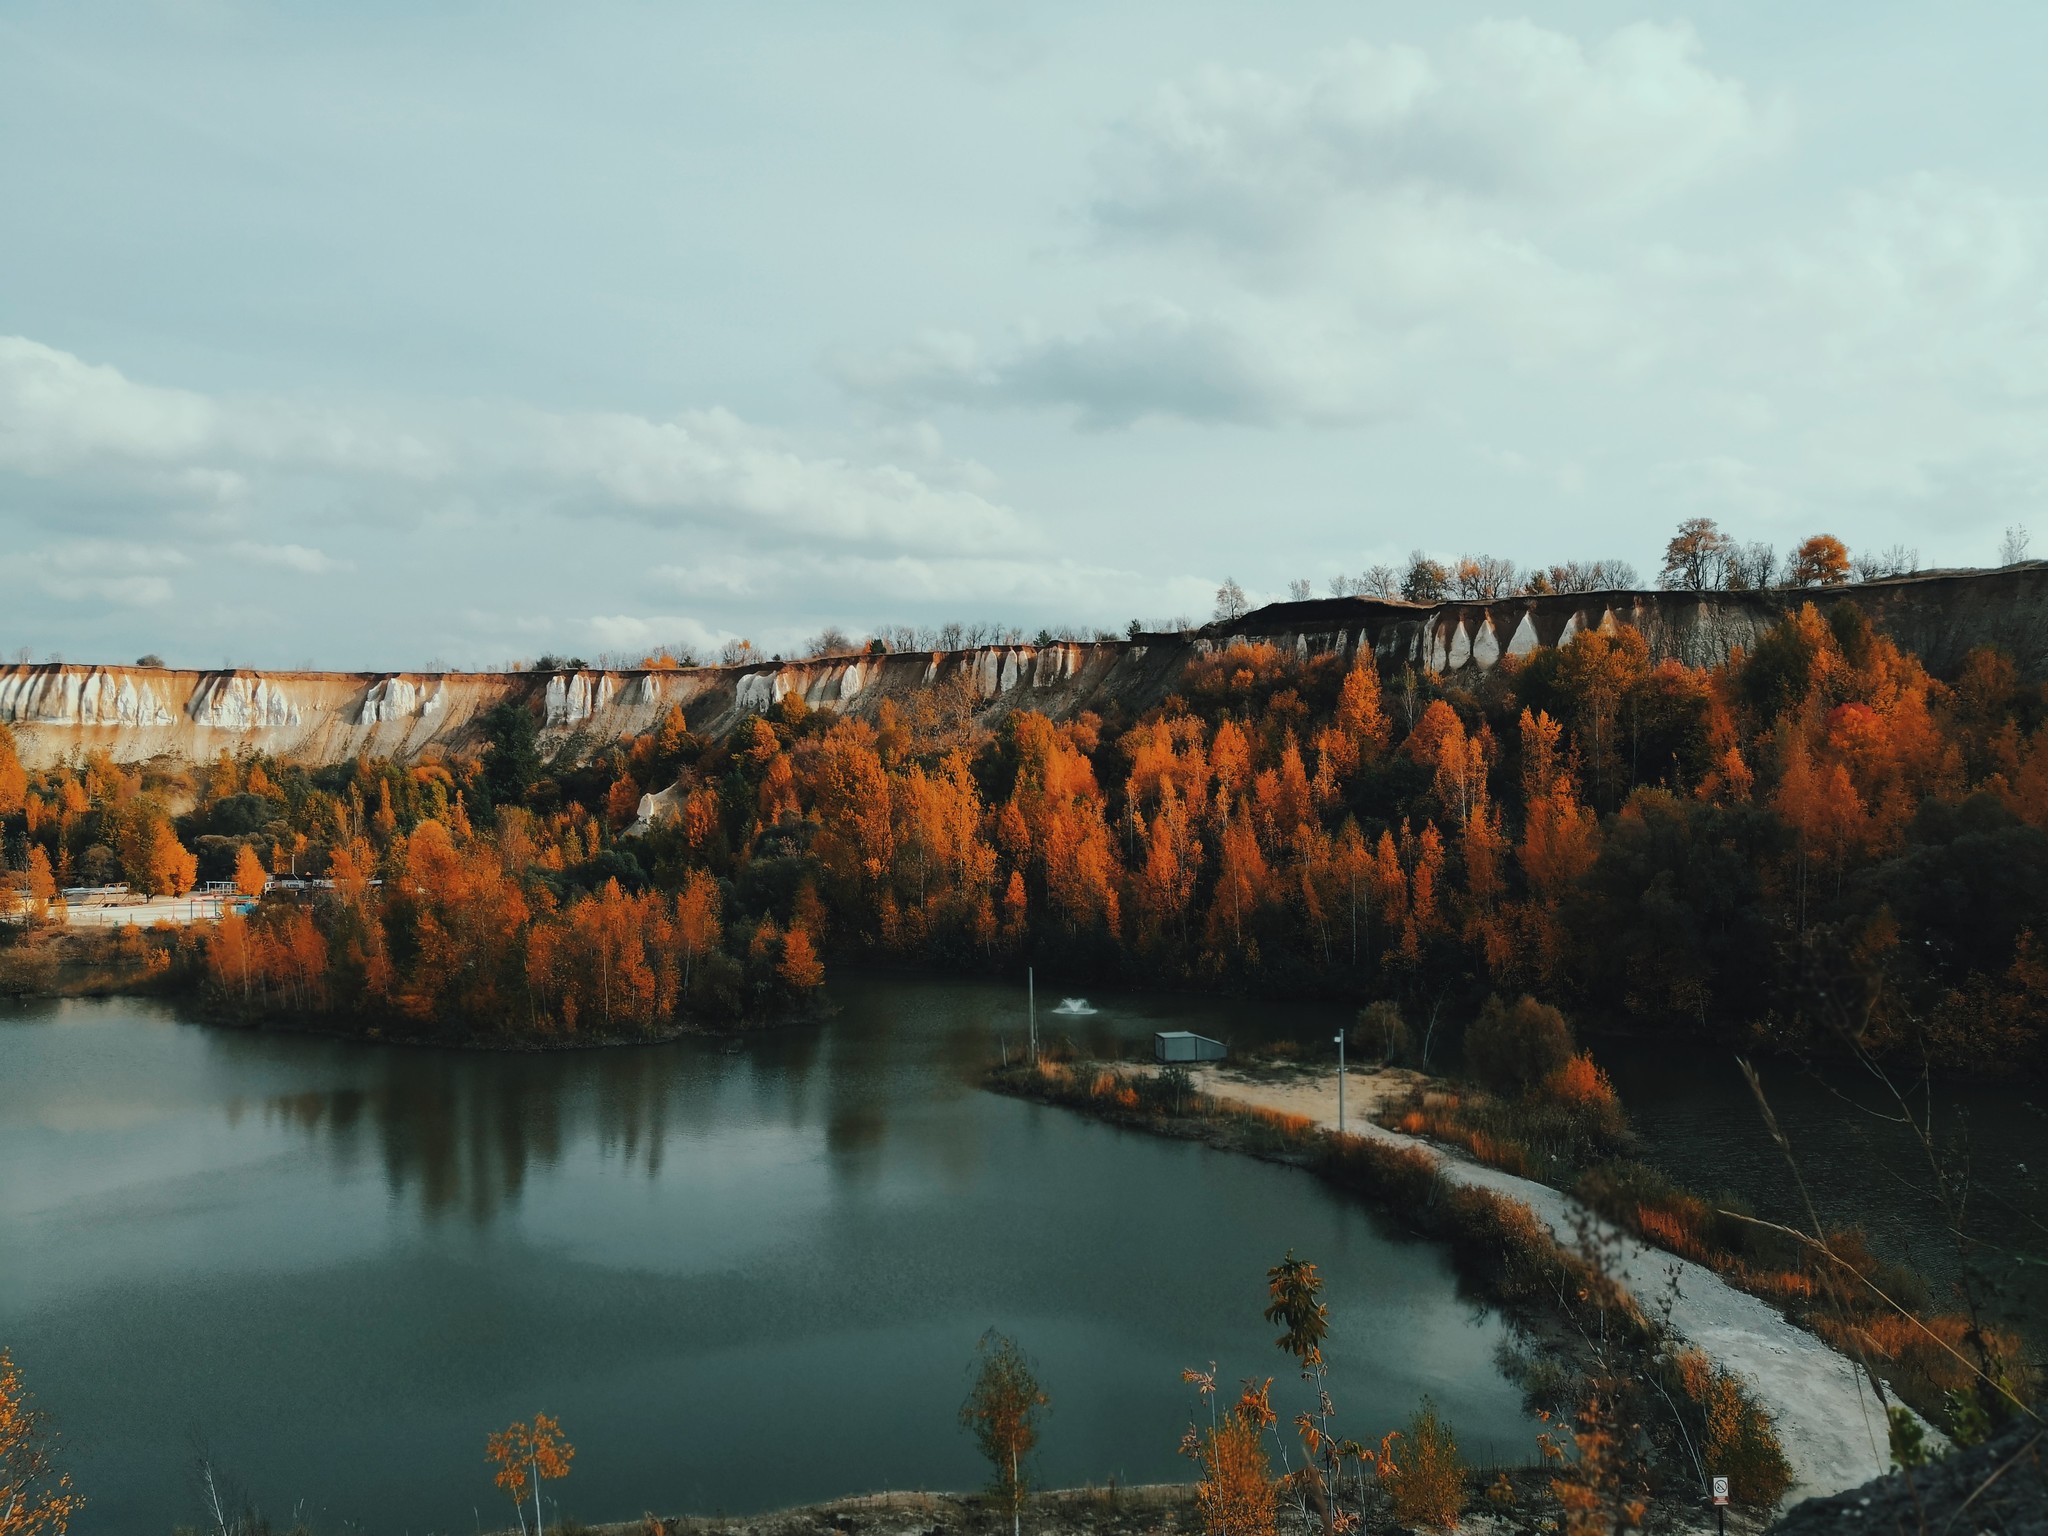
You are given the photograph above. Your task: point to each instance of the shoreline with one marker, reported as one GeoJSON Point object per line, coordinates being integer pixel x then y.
{"type": "Point", "coordinates": [90, 962]}
{"type": "Point", "coordinates": [1832, 1435]}
{"type": "Point", "coordinates": [88, 948]}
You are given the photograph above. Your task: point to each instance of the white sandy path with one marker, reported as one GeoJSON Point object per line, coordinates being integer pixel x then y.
{"type": "Point", "coordinates": [1831, 1427]}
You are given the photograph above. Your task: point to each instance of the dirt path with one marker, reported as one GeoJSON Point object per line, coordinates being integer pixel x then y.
{"type": "Point", "coordinates": [1832, 1429]}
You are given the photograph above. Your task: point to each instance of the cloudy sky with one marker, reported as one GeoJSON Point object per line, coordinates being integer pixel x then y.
{"type": "Point", "coordinates": [372, 335]}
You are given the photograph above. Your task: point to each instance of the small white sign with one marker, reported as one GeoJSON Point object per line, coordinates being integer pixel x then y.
{"type": "Point", "coordinates": [1720, 1490]}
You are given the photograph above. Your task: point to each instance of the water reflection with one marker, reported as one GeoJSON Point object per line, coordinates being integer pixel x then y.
{"type": "Point", "coordinates": [463, 1134]}
{"type": "Point", "coordinates": [333, 1256]}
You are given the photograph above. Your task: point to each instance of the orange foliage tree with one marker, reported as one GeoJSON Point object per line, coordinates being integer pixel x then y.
{"type": "Point", "coordinates": [1002, 1412]}
{"type": "Point", "coordinates": [525, 1454]}
{"type": "Point", "coordinates": [36, 1499]}
{"type": "Point", "coordinates": [1236, 1493]}
{"type": "Point", "coordinates": [250, 875]}
{"type": "Point", "coordinates": [1622, 835]}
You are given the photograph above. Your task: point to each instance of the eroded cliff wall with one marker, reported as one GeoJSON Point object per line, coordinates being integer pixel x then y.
{"type": "Point", "coordinates": [138, 713]}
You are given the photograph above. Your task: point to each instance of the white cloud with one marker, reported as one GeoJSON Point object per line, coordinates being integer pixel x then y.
{"type": "Point", "coordinates": [57, 411]}
{"type": "Point", "coordinates": [61, 416]}
{"type": "Point", "coordinates": [292, 557]}
{"type": "Point", "coordinates": [710, 465]}
{"type": "Point", "coordinates": [1390, 215]}
{"type": "Point", "coordinates": [1506, 112]}
{"type": "Point", "coordinates": [1891, 356]}
{"type": "Point", "coordinates": [1141, 359]}
{"type": "Point", "coordinates": [106, 571]}
{"type": "Point", "coordinates": [626, 632]}
{"type": "Point", "coordinates": [722, 575]}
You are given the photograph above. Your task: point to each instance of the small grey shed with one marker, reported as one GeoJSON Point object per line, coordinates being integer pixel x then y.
{"type": "Point", "coordinates": [1180, 1045]}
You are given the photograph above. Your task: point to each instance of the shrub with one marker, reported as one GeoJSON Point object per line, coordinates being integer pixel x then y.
{"type": "Point", "coordinates": [1646, 1202]}
{"type": "Point", "coordinates": [1379, 1030]}
{"type": "Point", "coordinates": [1499, 1240]}
{"type": "Point", "coordinates": [1738, 1438]}
{"type": "Point", "coordinates": [1169, 1092]}
{"type": "Point", "coordinates": [1235, 1494]}
{"type": "Point", "coordinates": [27, 968]}
{"type": "Point", "coordinates": [1274, 1130]}
{"type": "Point", "coordinates": [1425, 1478]}
{"type": "Point", "coordinates": [1587, 1097]}
{"type": "Point", "coordinates": [1500, 1493]}
{"type": "Point", "coordinates": [1443, 1118]}
{"type": "Point", "coordinates": [1513, 1049]}
{"type": "Point", "coordinates": [1404, 1178]}
{"type": "Point", "coordinates": [1925, 1356]}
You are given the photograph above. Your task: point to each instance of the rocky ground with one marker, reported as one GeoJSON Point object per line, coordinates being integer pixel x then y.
{"type": "Point", "coordinates": [1157, 1510]}
{"type": "Point", "coordinates": [1996, 1489]}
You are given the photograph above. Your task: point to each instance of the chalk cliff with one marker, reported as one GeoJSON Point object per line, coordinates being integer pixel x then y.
{"type": "Point", "coordinates": [138, 713]}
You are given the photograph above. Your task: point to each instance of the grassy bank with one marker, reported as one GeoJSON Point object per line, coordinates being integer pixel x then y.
{"type": "Point", "coordinates": [96, 962]}
{"type": "Point", "coordinates": [1830, 1283]}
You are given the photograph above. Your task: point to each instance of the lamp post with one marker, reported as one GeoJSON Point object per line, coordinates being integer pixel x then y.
{"type": "Point", "coordinates": [1031, 1008]}
{"type": "Point", "coordinates": [1340, 1082]}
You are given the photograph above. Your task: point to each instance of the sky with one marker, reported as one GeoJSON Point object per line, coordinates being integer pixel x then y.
{"type": "Point", "coordinates": [384, 336]}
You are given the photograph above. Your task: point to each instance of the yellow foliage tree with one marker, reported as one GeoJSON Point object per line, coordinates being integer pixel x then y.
{"type": "Point", "coordinates": [13, 778]}
{"type": "Point", "coordinates": [1425, 1479]}
{"type": "Point", "coordinates": [800, 968]}
{"type": "Point", "coordinates": [35, 1498]}
{"type": "Point", "coordinates": [250, 875]}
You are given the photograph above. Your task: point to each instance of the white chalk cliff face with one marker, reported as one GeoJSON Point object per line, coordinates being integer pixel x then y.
{"type": "Point", "coordinates": [138, 713]}
{"type": "Point", "coordinates": [399, 698]}
{"type": "Point", "coordinates": [82, 696]}
{"type": "Point", "coordinates": [573, 697]}
{"type": "Point", "coordinates": [243, 702]}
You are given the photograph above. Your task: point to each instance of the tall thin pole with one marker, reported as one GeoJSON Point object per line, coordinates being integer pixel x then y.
{"type": "Point", "coordinates": [1340, 1082]}
{"type": "Point", "coordinates": [1031, 1004]}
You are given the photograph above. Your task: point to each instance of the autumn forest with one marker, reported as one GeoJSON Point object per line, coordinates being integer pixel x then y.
{"type": "Point", "coordinates": [1816, 835]}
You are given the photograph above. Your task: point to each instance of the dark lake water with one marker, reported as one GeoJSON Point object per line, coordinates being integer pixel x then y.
{"type": "Point", "coordinates": [741, 1276]}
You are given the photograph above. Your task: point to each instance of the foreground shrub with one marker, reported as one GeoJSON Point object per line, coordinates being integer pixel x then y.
{"type": "Point", "coordinates": [1235, 1494]}
{"type": "Point", "coordinates": [1738, 1437]}
{"type": "Point", "coordinates": [1422, 1472]}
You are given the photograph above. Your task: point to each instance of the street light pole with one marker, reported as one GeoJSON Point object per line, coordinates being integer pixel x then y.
{"type": "Point", "coordinates": [1031, 1005]}
{"type": "Point", "coordinates": [1340, 1082]}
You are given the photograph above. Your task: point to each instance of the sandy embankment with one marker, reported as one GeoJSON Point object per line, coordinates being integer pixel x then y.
{"type": "Point", "coordinates": [1832, 1429]}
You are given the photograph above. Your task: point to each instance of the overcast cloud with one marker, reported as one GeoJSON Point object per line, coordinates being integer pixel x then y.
{"type": "Point", "coordinates": [374, 336]}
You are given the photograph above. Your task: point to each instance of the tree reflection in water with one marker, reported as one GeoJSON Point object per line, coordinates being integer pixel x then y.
{"type": "Point", "coordinates": [461, 1133]}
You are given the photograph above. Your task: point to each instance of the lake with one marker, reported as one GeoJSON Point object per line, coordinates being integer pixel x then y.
{"type": "Point", "coordinates": [743, 1275]}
